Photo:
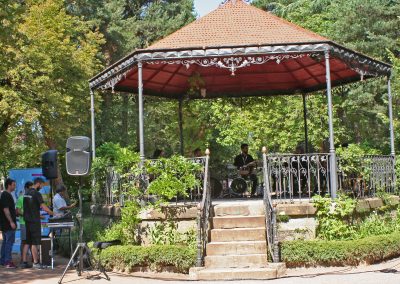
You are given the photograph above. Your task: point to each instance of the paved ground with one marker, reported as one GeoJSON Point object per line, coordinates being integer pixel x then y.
{"type": "Point", "coordinates": [384, 273]}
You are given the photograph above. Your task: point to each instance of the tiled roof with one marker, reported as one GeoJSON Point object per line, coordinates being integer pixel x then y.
{"type": "Point", "coordinates": [237, 23]}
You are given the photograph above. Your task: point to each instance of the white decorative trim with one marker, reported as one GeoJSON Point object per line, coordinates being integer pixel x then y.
{"type": "Point", "coordinates": [226, 57]}
{"type": "Point", "coordinates": [233, 63]}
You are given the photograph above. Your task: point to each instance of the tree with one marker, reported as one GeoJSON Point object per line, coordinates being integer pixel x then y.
{"type": "Point", "coordinates": [366, 26]}
{"type": "Point", "coordinates": [44, 95]}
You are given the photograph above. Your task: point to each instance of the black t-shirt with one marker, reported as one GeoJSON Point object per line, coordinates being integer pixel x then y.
{"type": "Point", "coordinates": [242, 160]}
{"type": "Point", "coordinates": [32, 201]}
{"type": "Point", "coordinates": [7, 201]}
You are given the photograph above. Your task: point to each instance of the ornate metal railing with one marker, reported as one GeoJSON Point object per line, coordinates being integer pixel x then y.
{"type": "Point", "coordinates": [295, 177]}
{"type": "Point", "coordinates": [114, 191]}
{"type": "Point", "coordinates": [270, 213]}
{"type": "Point", "coordinates": [380, 172]}
{"type": "Point", "coordinates": [374, 173]}
{"type": "Point", "coordinates": [203, 215]}
{"type": "Point", "coordinates": [112, 187]}
{"type": "Point", "coordinates": [298, 176]}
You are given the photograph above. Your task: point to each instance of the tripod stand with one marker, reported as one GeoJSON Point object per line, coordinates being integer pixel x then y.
{"type": "Point", "coordinates": [81, 246]}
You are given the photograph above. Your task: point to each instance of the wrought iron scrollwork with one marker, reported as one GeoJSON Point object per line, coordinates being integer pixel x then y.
{"type": "Point", "coordinates": [203, 216]}
{"type": "Point", "coordinates": [271, 227]}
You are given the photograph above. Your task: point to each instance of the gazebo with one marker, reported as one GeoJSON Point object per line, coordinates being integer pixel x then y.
{"type": "Point", "coordinates": [240, 51]}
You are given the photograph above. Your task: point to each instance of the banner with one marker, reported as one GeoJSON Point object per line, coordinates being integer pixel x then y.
{"type": "Point", "coordinates": [21, 176]}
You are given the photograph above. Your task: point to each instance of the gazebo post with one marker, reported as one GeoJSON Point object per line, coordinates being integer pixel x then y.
{"type": "Point", "coordinates": [92, 124]}
{"type": "Point", "coordinates": [305, 123]}
{"type": "Point", "coordinates": [180, 117]}
{"type": "Point", "coordinates": [140, 94]}
{"type": "Point", "coordinates": [332, 152]}
{"type": "Point", "coordinates": [392, 152]}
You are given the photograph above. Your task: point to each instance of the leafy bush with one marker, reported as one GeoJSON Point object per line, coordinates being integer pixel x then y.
{"type": "Point", "coordinates": [172, 177]}
{"type": "Point", "coordinates": [335, 217]}
{"type": "Point", "coordinates": [155, 257]}
{"type": "Point", "coordinates": [350, 158]}
{"type": "Point", "coordinates": [113, 157]}
{"type": "Point", "coordinates": [339, 253]}
{"type": "Point", "coordinates": [166, 233]}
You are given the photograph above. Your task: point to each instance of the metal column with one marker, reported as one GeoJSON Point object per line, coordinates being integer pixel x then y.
{"type": "Point", "coordinates": [392, 152]}
{"type": "Point", "coordinates": [305, 123]}
{"type": "Point", "coordinates": [180, 116]}
{"type": "Point", "coordinates": [333, 163]}
{"type": "Point", "coordinates": [140, 89]}
{"type": "Point", "coordinates": [92, 124]}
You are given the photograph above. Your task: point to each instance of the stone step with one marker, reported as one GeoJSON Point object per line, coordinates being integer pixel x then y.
{"type": "Point", "coordinates": [236, 261]}
{"type": "Point", "coordinates": [249, 208]}
{"type": "Point", "coordinates": [241, 248]}
{"type": "Point", "coordinates": [230, 222]}
{"type": "Point", "coordinates": [237, 274]}
{"type": "Point", "coordinates": [238, 234]}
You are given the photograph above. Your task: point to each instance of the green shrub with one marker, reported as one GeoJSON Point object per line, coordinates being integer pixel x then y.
{"type": "Point", "coordinates": [166, 233]}
{"type": "Point", "coordinates": [282, 218]}
{"type": "Point", "coordinates": [339, 253]}
{"type": "Point", "coordinates": [172, 177]}
{"type": "Point", "coordinates": [128, 257]}
{"type": "Point", "coordinates": [335, 217]}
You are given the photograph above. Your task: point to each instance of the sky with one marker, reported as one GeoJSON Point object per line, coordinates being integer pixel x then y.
{"type": "Point", "coordinates": [204, 6]}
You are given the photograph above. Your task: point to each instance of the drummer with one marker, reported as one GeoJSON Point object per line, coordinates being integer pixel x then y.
{"type": "Point", "coordinates": [245, 164]}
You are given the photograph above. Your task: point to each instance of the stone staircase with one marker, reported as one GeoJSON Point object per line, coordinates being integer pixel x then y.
{"type": "Point", "coordinates": [237, 249]}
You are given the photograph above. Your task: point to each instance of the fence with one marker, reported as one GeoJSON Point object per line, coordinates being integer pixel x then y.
{"type": "Point", "coordinates": [300, 176]}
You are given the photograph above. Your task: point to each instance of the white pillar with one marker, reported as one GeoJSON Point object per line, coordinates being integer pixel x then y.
{"type": "Point", "coordinates": [141, 131]}
{"type": "Point", "coordinates": [92, 124]}
{"type": "Point", "coordinates": [332, 152]}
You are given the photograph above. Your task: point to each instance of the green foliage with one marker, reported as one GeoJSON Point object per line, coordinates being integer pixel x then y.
{"type": "Point", "coordinates": [113, 157]}
{"type": "Point", "coordinates": [361, 106]}
{"type": "Point", "coordinates": [334, 217]}
{"type": "Point", "coordinates": [339, 220]}
{"type": "Point", "coordinates": [156, 257]}
{"type": "Point", "coordinates": [282, 218]}
{"type": "Point", "coordinates": [166, 233]}
{"type": "Point", "coordinates": [378, 224]}
{"type": "Point", "coordinates": [351, 158]}
{"type": "Point", "coordinates": [46, 58]}
{"type": "Point", "coordinates": [172, 177]}
{"type": "Point", "coordinates": [340, 253]}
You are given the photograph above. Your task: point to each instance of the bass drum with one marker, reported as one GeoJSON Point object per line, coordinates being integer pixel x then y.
{"type": "Point", "coordinates": [216, 187]}
{"type": "Point", "coordinates": [239, 185]}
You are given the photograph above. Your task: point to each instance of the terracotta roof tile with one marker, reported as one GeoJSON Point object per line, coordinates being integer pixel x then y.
{"type": "Point", "coordinates": [236, 24]}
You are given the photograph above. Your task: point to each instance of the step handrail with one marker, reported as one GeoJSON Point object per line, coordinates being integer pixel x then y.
{"type": "Point", "coordinates": [203, 215]}
{"type": "Point", "coordinates": [270, 213]}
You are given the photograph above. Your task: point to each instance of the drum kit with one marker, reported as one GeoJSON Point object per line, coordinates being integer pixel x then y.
{"type": "Point", "coordinates": [236, 183]}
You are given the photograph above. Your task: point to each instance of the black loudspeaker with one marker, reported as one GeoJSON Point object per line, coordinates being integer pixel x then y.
{"type": "Point", "coordinates": [78, 156]}
{"type": "Point", "coordinates": [49, 164]}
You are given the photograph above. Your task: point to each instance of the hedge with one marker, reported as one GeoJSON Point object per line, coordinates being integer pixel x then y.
{"type": "Point", "coordinates": [339, 253]}
{"type": "Point", "coordinates": [128, 257]}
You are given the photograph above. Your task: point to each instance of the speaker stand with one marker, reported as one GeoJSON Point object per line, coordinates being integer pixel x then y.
{"type": "Point", "coordinates": [81, 246]}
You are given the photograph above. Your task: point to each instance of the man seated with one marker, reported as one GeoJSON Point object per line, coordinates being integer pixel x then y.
{"type": "Point", "coordinates": [245, 164]}
{"type": "Point", "coordinates": [60, 206]}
